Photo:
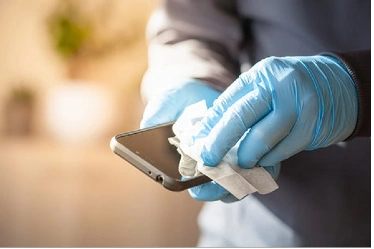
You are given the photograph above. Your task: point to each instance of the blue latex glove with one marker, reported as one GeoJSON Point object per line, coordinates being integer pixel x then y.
{"type": "Point", "coordinates": [168, 105]}
{"type": "Point", "coordinates": [288, 104]}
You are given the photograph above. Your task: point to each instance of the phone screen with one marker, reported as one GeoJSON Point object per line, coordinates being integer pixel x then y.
{"type": "Point", "coordinates": [153, 146]}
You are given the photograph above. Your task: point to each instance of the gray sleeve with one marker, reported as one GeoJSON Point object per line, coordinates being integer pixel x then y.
{"type": "Point", "coordinates": [192, 39]}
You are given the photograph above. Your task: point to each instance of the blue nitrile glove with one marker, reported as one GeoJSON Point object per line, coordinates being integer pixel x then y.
{"type": "Point", "coordinates": [169, 104]}
{"type": "Point", "coordinates": [288, 104]}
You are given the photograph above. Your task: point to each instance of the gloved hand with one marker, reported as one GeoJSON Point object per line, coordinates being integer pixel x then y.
{"type": "Point", "coordinates": [282, 106]}
{"type": "Point", "coordinates": [168, 105]}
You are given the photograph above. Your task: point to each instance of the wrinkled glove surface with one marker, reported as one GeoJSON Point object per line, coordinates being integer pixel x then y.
{"type": "Point", "coordinates": [282, 106]}
{"type": "Point", "coordinates": [169, 104]}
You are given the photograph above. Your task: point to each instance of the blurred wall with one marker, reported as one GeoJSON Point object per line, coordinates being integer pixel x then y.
{"type": "Point", "coordinates": [29, 58]}
{"type": "Point", "coordinates": [63, 194]}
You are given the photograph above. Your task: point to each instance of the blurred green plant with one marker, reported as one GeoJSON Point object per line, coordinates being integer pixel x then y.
{"type": "Point", "coordinates": [77, 32]}
{"type": "Point", "coordinates": [68, 30]}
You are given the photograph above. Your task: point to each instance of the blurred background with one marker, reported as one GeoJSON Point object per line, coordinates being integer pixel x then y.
{"type": "Point", "coordinates": [70, 74]}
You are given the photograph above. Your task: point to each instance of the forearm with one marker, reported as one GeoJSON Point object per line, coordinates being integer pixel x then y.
{"type": "Point", "coordinates": [192, 39]}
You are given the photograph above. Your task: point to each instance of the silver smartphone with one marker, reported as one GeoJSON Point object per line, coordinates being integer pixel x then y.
{"type": "Point", "coordinates": [150, 151]}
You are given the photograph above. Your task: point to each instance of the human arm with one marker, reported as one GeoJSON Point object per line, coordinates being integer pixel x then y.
{"type": "Point", "coordinates": [287, 105]}
{"type": "Point", "coordinates": [190, 43]}
{"type": "Point", "coordinates": [193, 52]}
{"type": "Point", "coordinates": [191, 40]}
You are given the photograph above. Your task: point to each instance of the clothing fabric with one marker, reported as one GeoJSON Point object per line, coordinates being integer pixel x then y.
{"type": "Point", "coordinates": [324, 195]}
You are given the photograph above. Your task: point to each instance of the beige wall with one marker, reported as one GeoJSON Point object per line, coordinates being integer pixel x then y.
{"type": "Point", "coordinates": [55, 194]}
{"type": "Point", "coordinates": [28, 56]}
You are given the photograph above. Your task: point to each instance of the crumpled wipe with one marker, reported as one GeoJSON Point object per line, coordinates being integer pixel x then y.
{"type": "Point", "coordinates": [238, 181]}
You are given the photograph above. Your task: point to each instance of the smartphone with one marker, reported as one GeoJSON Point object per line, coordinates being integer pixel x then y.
{"type": "Point", "coordinates": [150, 151]}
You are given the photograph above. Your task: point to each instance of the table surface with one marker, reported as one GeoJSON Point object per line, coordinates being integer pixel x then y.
{"type": "Point", "coordinates": [59, 195]}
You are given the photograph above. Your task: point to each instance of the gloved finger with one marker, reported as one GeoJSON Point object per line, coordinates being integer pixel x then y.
{"type": "Point", "coordinates": [302, 133]}
{"type": "Point", "coordinates": [210, 191]}
{"type": "Point", "coordinates": [194, 91]}
{"type": "Point", "coordinates": [298, 140]}
{"type": "Point", "coordinates": [170, 104]}
{"type": "Point", "coordinates": [263, 136]}
{"type": "Point", "coordinates": [233, 93]}
{"type": "Point", "coordinates": [161, 109]}
{"type": "Point", "coordinates": [234, 122]}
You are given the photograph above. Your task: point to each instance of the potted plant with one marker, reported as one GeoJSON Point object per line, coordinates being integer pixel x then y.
{"type": "Point", "coordinates": [76, 107]}
{"type": "Point", "coordinates": [69, 33]}
{"type": "Point", "coordinates": [80, 35]}
{"type": "Point", "coordinates": [83, 36]}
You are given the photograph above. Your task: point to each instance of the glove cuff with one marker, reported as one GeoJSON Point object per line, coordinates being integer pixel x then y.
{"type": "Point", "coordinates": [358, 66]}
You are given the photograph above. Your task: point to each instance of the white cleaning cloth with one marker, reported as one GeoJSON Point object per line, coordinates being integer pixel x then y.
{"type": "Point", "coordinates": [238, 181]}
